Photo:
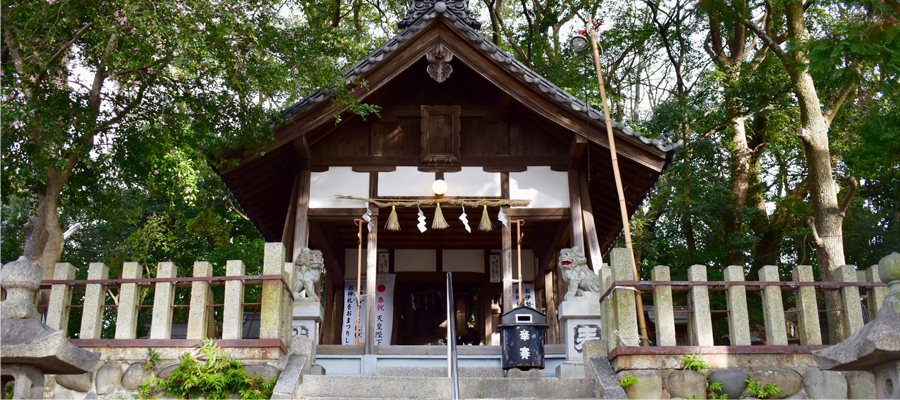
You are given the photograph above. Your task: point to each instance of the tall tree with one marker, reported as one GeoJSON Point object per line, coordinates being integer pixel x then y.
{"type": "Point", "coordinates": [95, 91]}
{"type": "Point", "coordinates": [861, 27]}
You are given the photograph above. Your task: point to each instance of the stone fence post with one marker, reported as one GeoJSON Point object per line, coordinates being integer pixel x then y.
{"type": "Point", "coordinates": [126, 318]}
{"type": "Point", "coordinates": [607, 306]}
{"type": "Point", "coordinates": [198, 319]}
{"type": "Point", "coordinates": [851, 317]}
{"type": "Point", "coordinates": [738, 319]}
{"type": "Point", "coordinates": [662, 307]}
{"type": "Point", "coordinates": [60, 297]}
{"type": "Point", "coordinates": [94, 296]}
{"type": "Point", "coordinates": [699, 296]}
{"type": "Point", "coordinates": [233, 318]}
{"type": "Point", "coordinates": [163, 300]}
{"type": "Point", "coordinates": [273, 296]}
{"type": "Point", "coordinates": [876, 294]}
{"type": "Point", "coordinates": [773, 307]}
{"type": "Point", "coordinates": [624, 306]}
{"type": "Point", "coordinates": [807, 307]}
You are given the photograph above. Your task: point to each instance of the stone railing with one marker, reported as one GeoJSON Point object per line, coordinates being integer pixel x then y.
{"type": "Point", "coordinates": [620, 327]}
{"type": "Point", "coordinates": [275, 303]}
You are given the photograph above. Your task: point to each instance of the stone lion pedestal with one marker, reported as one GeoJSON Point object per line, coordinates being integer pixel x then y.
{"type": "Point", "coordinates": [579, 321]}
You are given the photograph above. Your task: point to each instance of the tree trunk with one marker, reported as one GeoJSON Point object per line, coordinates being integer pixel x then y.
{"type": "Point", "coordinates": [44, 237]}
{"type": "Point", "coordinates": [741, 156]}
{"type": "Point", "coordinates": [822, 188]}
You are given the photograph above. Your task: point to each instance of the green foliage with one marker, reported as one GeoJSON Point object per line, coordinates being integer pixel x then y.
{"type": "Point", "coordinates": [714, 388]}
{"type": "Point", "coordinates": [8, 389]}
{"type": "Point", "coordinates": [692, 362]}
{"type": "Point", "coordinates": [628, 380]}
{"type": "Point", "coordinates": [761, 391]}
{"type": "Point", "coordinates": [152, 358]}
{"type": "Point", "coordinates": [213, 376]}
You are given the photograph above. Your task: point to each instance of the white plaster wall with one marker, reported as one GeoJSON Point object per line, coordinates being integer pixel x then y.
{"type": "Point", "coordinates": [415, 260]}
{"type": "Point", "coordinates": [338, 180]}
{"type": "Point", "coordinates": [473, 182]}
{"type": "Point", "coordinates": [405, 181]}
{"type": "Point", "coordinates": [463, 260]}
{"type": "Point", "coordinates": [350, 263]}
{"type": "Point", "coordinates": [544, 187]}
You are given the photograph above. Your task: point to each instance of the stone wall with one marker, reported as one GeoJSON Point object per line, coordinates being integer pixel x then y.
{"type": "Point", "coordinates": [122, 371]}
{"type": "Point", "coordinates": [811, 384]}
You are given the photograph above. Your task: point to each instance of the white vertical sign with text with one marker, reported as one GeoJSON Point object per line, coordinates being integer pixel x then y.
{"type": "Point", "coordinates": [384, 311]}
{"type": "Point", "coordinates": [528, 288]}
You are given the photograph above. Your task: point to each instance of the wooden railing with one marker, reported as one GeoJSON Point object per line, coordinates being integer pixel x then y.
{"type": "Point", "coordinates": [619, 321]}
{"type": "Point", "coordinates": [274, 305]}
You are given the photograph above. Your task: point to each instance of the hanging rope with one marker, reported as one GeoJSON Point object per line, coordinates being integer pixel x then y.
{"type": "Point", "coordinates": [453, 202]}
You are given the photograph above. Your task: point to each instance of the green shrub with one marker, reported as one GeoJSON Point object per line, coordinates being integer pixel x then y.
{"type": "Point", "coordinates": [628, 380]}
{"type": "Point", "coordinates": [214, 376]}
{"type": "Point", "coordinates": [692, 362]}
{"type": "Point", "coordinates": [762, 391]}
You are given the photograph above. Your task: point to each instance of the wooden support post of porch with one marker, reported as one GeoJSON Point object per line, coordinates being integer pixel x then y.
{"type": "Point", "coordinates": [371, 272]}
{"type": "Point", "coordinates": [301, 215]}
{"type": "Point", "coordinates": [576, 210]}
{"type": "Point", "coordinates": [549, 298]}
{"type": "Point", "coordinates": [328, 315]}
{"type": "Point", "coordinates": [509, 301]}
{"type": "Point", "coordinates": [590, 229]}
{"type": "Point", "coordinates": [287, 233]}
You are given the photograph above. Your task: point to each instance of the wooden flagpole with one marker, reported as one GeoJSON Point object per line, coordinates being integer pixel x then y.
{"type": "Point", "coordinates": [642, 324]}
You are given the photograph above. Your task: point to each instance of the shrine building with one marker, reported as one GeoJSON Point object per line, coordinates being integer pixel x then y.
{"type": "Point", "coordinates": [457, 110]}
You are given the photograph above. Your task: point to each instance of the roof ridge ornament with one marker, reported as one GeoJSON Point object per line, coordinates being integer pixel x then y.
{"type": "Point", "coordinates": [417, 8]}
{"type": "Point", "coordinates": [439, 67]}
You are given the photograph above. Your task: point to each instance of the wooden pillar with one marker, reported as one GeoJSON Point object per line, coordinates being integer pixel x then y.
{"type": "Point", "coordinates": [509, 300]}
{"type": "Point", "coordinates": [549, 298]}
{"type": "Point", "coordinates": [301, 216]}
{"type": "Point", "coordinates": [287, 233]}
{"type": "Point", "coordinates": [590, 229]}
{"type": "Point", "coordinates": [371, 272]}
{"type": "Point", "coordinates": [328, 316]}
{"type": "Point", "coordinates": [576, 210]}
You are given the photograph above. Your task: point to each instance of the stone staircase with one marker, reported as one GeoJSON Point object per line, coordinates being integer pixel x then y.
{"type": "Point", "coordinates": [431, 387]}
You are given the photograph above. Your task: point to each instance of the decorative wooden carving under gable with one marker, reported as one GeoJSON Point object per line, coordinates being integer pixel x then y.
{"type": "Point", "coordinates": [440, 133]}
{"type": "Point", "coordinates": [439, 58]}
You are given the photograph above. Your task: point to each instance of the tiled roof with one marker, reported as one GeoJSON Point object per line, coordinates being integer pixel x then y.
{"type": "Point", "coordinates": [462, 23]}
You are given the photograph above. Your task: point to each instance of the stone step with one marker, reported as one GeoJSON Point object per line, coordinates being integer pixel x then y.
{"type": "Point", "coordinates": [440, 372]}
{"type": "Point", "coordinates": [373, 387]}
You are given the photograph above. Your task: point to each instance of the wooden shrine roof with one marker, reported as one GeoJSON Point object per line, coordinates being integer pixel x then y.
{"type": "Point", "coordinates": [559, 129]}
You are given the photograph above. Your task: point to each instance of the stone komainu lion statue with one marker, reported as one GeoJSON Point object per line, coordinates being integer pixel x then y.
{"type": "Point", "coordinates": [309, 264]}
{"type": "Point", "coordinates": [578, 276]}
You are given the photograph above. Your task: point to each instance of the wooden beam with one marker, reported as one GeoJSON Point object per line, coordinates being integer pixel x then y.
{"type": "Point", "coordinates": [575, 209]}
{"type": "Point", "coordinates": [590, 229]}
{"type": "Point", "coordinates": [287, 234]}
{"type": "Point", "coordinates": [508, 168]}
{"type": "Point", "coordinates": [576, 149]}
{"type": "Point", "coordinates": [540, 214]}
{"type": "Point", "coordinates": [375, 168]}
{"type": "Point", "coordinates": [301, 147]}
{"type": "Point", "coordinates": [335, 214]}
{"type": "Point", "coordinates": [505, 101]}
{"type": "Point", "coordinates": [301, 221]}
